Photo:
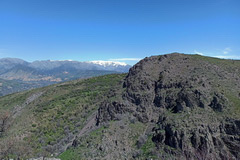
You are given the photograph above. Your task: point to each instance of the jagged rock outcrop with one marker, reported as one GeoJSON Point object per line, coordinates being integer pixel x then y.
{"type": "Point", "coordinates": [110, 111]}
{"type": "Point", "coordinates": [192, 101]}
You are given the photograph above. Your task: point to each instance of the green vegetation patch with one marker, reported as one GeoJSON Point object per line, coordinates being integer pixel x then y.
{"type": "Point", "coordinates": [86, 145]}
{"type": "Point", "coordinates": [61, 111]}
{"type": "Point", "coordinates": [148, 148]}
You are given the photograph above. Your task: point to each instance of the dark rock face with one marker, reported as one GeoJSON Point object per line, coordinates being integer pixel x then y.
{"type": "Point", "coordinates": [206, 141]}
{"type": "Point", "coordinates": [187, 99]}
{"type": "Point", "coordinates": [218, 102]}
{"type": "Point", "coordinates": [109, 111]}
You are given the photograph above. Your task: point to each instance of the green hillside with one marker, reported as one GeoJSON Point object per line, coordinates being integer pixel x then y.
{"type": "Point", "coordinates": [45, 116]}
{"type": "Point", "coordinates": [167, 107]}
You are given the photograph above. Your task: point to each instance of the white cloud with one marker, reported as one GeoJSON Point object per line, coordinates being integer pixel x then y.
{"type": "Point", "coordinates": [227, 50]}
{"type": "Point", "coordinates": [228, 57]}
{"type": "Point", "coordinates": [125, 59]}
{"type": "Point", "coordinates": [200, 53]}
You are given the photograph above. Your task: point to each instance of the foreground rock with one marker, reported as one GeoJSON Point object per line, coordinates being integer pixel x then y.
{"type": "Point", "coordinates": [189, 102]}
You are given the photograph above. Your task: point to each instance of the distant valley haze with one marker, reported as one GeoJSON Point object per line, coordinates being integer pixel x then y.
{"type": "Point", "coordinates": [18, 75]}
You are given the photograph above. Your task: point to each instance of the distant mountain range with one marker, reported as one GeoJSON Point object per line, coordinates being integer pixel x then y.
{"type": "Point", "coordinates": [17, 74]}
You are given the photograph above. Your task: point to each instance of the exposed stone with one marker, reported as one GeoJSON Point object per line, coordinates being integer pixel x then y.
{"type": "Point", "coordinates": [184, 95]}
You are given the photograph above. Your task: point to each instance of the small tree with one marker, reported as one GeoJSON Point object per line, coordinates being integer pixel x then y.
{"type": "Point", "coordinates": [6, 147]}
{"type": "Point", "coordinates": [22, 149]}
{"type": "Point", "coordinates": [14, 146]}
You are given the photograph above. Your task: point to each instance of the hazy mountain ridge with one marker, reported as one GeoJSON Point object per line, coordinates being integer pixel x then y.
{"type": "Point", "coordinates": [167, 107]}
{"type": "Point", "coordinates": [8, 63]}
{"type": "Point", "coordinates": [41, 73]}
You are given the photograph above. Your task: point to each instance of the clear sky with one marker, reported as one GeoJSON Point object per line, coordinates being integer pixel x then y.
{"type": "Point", "coordinates": [122, 30]}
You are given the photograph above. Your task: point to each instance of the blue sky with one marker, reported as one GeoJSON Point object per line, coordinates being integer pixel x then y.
{"type": "Point", "coordinates": [121, 30]}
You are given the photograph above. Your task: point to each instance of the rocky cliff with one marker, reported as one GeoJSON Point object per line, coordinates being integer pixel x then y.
{"type": "Point", "coordinates": [190, 105]}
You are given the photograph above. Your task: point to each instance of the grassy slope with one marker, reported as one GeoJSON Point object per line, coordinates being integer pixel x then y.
{"type": "Point", "coordinates": [228, 87]}
{"type": "Point", "coordinates": [60, 110]}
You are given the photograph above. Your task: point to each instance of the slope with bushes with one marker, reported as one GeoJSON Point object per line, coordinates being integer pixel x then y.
{"type": "Point", "coordinates": [167, 107]}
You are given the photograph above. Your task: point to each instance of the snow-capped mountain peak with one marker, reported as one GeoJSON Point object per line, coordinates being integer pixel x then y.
{"type": "Point", "coordinates": [109, 63]}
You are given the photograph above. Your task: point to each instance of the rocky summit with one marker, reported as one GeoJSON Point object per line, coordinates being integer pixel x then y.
{"type": "Point", "coordinates": [172, 106]}
{"type": "Point", "coordinates": [189, 106]}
